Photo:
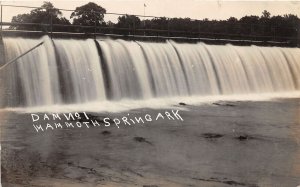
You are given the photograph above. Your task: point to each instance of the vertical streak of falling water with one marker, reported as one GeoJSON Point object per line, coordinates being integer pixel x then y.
{"type": "Point", "coordinates": [164, 64]}
{"type": "Point", "coordinates": [213, 83]}
{"type": "Point", "coordinates": [257, 69]}
{"type": "Point", "coordinates": [127, 70]}
{"type": "Point", "coordinates": [292, 57]}
{"type": "Point", "coordinates": [140, 68]}
{"type": "Point", "coordinates": [80, 70]}
{"type": "Point", "coordinates": [278, 69]}
{"type": "Point", "coordinates": [230, 72]}
{"type": "Point", "coordinates": [224, 69]}
{"type": "Point", "coordinates": [35, 73]}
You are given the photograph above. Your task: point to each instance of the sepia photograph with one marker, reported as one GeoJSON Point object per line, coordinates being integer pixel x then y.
{"type": "Point", "coordinates": [150, 93]}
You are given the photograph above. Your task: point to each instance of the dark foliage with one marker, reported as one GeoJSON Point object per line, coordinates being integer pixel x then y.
{"type": "Point", "coordinates": [43, 16]}
{"type": "Point", "coordinates": [89, 14]}
{"type": "Point", "coordinates": [265, 28]}
{"type": "Point", "coordinates": [90, 18]}
{"type": "Point", "coordinates": [130, 22]}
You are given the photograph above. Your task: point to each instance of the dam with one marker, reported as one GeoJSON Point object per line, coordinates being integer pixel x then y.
{"type": "Point", "coordinates": [75, 71]}
{"type": "Point", "coordinates": [97, 94]}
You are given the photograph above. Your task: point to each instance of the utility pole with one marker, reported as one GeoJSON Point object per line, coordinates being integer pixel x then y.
{"type": "Point", "coordinates": [51, 25]}
{"type": "Point", "coordinates": [298, 36]}
{"type": "Point", "coordinates": [144, 18]}
{"type": "Point", "coordinates": [95, 25]}
{"type": "Point", "coordinates": [1, 15]}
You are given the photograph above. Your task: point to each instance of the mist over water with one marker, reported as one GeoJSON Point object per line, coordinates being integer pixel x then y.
{"type": "Point", "coordinates": [68, 71]}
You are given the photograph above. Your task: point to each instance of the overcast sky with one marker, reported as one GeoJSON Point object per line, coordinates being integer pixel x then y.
{"type": "Point", "coordinates": [196, 9]}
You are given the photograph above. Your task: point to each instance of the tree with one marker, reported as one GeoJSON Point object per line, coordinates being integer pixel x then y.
{"type": "Point", "coordinates": [88, 15]}
{"type": "Point", "coordinates": [46, 14]}
{"type": "Point", "coordinates": [128, 21]}
{"type": "Point", "coordinates": [232, 20]}
{"type": "Point", "coordinates": [266, 14]}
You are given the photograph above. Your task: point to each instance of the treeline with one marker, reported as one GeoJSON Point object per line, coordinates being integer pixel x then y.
{"type": "Point", "coordinates": [89, 18]}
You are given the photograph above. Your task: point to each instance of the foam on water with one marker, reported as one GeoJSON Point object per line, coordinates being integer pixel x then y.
{"type": "Point", "coordinates": [155, 103]}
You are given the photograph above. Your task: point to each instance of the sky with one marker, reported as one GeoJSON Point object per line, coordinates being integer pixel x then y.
{"type": "Point", "coordinates": [195, 9]}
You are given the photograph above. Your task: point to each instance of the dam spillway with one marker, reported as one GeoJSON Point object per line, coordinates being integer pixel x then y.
{"type": "Point", "coordinates": [68, 71]}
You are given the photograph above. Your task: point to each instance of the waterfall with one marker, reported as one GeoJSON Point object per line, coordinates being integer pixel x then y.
{"type": "Point", "coordinates": [33, 80]}
{"type": "Point", "coordinates": [69, 71]}
{"type": "Point", "coordinates": [80, 71]}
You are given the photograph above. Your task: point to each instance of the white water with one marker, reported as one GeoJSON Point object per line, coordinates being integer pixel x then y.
{"type": "Point", "coordinates": [75, 72]}
{"type": "Point", "coordinates": [81, 74]}
{"type": "Point", "coordinates": [33, 80]}
{"type": "Point", "coordinates": [154, 103]}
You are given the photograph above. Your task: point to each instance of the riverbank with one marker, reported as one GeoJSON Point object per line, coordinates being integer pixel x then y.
{"type": "Point", "coordinates": [240, 143]}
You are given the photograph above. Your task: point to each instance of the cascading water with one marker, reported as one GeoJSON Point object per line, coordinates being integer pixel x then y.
{"type": "Point", "coordinates": [78, 71]}
{"type": "Point", "coordinates": [33, 80]}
